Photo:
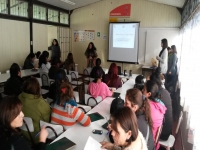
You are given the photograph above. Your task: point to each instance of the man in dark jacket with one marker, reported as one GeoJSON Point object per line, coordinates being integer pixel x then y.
{"type": "Point", "coordinates": [14, 83]}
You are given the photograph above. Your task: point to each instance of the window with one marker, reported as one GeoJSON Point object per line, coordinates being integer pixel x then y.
{"type": "Point", "coordinates": [3, 7]}
{"type": "Point", "coordinates": [64, 18]}
{"type": "Point", "coordinates": [39, 12]}
{"type": "Point", "coordinates": [19, 8]}
{"type": "Point", "coordinates": [52, 15]}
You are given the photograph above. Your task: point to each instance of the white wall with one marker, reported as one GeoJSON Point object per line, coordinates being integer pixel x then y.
{"type": "Point", "coordinates": [15, 45]}
{"type": "Point", "coordinates": [96, 17]}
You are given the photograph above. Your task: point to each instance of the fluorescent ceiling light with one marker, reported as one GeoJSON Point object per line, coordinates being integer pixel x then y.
{"type": "Point", "coordinates": [68, 2]}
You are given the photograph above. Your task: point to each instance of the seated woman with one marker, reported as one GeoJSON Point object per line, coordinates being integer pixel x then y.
{"type": "Point", "coordinates": [125, 132]}
{"type": "Point", "coordinates": [98, 66]}
{"type": "Point", "coordinates": [34, 106]}
{"type": "Point", "coordinates": [29, 61]}
{"type": "Point", "coordinates": [139, 82]}
{"type": "Point", "coordinates": [65, 112]}
{"type": "Point", "coordinates": [43, 62]}
{"type": "Point", "coordinates": [69, 63]}
{"type": "Point", "coordinates": [36, 61]}
{"type": "Point", "coordinates": [112, 79]}
{"type": "Point", "coordinates": [157, 107]}
{"type": "Point", "coordinates": [14, 83]}
{"type": "Point", "coordinates": [98, 88]}
{"type": "Point", "coordinates": [140, 106]}
{"type": "Point", "coordinates": [166, 99]}
{"type": "Point", "coordinates": [11, 118]}
{"type": "Point", "coordinates": [55, 63]}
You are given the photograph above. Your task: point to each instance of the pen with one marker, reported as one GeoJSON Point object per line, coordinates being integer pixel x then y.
{"type": "Point", "coordinates": [106, 135]}
{"type": "Point", "coordinates": [37, 134]}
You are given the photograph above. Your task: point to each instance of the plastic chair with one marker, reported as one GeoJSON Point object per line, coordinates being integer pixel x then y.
{"type": "Point", "coordinates": [91, 101]}
{"type": "Point", "coordinates": [158, 135]}
{"type": "Point", "coordinates": [54, 130]}
{"type": "Point", "coordinates": [169, 143]}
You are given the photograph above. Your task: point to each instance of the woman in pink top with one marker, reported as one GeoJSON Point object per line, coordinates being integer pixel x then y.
{"type": "Point", "coordinates": [98, 88]}
{"type": "Point", "coordinates": [157, 106]}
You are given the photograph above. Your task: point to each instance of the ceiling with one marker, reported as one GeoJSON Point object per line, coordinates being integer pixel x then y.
{"type": "Point", "coordinates": [61, 4]}
{"type": "Point", "coordinates": [81, 3]}
{"type": "Point", "coordinates": [176, 3]}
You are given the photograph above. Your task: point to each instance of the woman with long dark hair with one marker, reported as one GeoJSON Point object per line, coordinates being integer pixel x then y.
{"type": "Point", "coordinates": [29, 61]}
{"type": "Point", "coordinates": [112, 79]}
{"type": "Point", "coordinates": [163, 56]}
{"type": "Point", "coordinates": [91, 55]}
{"type": "Point", "coordinates": [11, 118]}
{"type": "Point", "coordinates": [69, 63]}
{"type": "Point", "coordinates": [44, 62]}
{"type": "Point", "coordinates": [55, 48]}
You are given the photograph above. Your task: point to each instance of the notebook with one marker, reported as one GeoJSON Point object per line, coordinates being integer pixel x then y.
{"type": "Point", "coordinates": [62, 144]}
{"type": "Point", "coordinates": [105, 125]}
{"type": "Point", "coordinates": [115, 94]}
{"type": "Point", "coordinates": [95, 116]}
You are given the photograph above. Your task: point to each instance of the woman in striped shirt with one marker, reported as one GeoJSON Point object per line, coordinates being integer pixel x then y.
{"type": "Point", "coordinates": [65, 112]}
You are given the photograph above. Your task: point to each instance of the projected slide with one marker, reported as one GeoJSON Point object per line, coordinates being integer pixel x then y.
{"type": "Point", "coordinates": [123, 35]}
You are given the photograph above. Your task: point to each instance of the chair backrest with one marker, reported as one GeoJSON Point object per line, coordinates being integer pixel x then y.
{"type": "Point", "coordinates": [54, 130]}
{"type": "Point", "coordinates": [179, 122]}
{"type": "Point", "coordinates": [86, 72]}
{"type": "Point", "coordinates": [158, 135]}
{"type": "Point", "coordinates": [76, 96]}
{"type": "Point", "coordinates": [45, 78]}
{"type": "Point", "coordinates": [69, 78]}
{"type": "Point", "coordinates": [74, 74]}
{"type": "Point", "coordinates": [86, 88]}
{"type": "Point", "coordinates": [91, 101]}
{"type": "Point", "coordinates": [29, 122]}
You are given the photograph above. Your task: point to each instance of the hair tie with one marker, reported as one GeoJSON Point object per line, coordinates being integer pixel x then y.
{"type": "Point", "coordinates": [143, 97]}
{"type": "Point", "coordinates": [63, 90]}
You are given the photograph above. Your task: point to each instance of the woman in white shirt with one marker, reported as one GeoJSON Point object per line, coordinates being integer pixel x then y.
{"type": "Point", "coordinates": [163, 57]}
{"type": "Point", "coordinates": [43, 62]}
{"type": "Point", "coordinates": [125, 132]}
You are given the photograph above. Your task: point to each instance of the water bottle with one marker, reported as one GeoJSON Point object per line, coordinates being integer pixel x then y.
{"type": "Point", "coordinates": [124, 72]}
{"type": "Point", "coordinates": [130, 73]}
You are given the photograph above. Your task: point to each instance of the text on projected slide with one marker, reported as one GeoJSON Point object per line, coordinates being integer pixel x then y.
{"type": "Point", "coordinates": [123, 36]}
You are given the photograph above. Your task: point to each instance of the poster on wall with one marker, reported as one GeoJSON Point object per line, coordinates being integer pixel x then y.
{"type": "Point", "coordinates": [83, 35]}
{"type": "Point", "coordinates": [79, 35]}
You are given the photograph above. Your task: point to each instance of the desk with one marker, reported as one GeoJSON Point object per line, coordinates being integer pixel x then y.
{"type": "Point", "coordinates": [79, 134]}
{"type": "Point", "coordinates": [146, 68]}
{"type": "Point", "coordinates": [25, 73]}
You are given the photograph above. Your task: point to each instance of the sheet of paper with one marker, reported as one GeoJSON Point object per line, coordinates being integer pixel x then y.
{"type": "Point", "coordinates": [92, 144]}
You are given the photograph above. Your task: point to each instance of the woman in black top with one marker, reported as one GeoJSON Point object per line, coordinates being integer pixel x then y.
{"type": "Point", "coordinates": [29, 61]}
{"type": "Point", "coordinates": [11, 118]}
{"type": "Point", "coordinates": [55, 48]}
{"type": "Point", "coordinates": [91, 55]}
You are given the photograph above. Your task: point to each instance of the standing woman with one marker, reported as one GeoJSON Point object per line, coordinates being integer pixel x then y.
{"type": "Point", "coordinates": [163, 57]}
{"type": "Point", "coordinates": [172, 67]}
{"type": "Point", "coordinates": [91, 55]}
{"type": "Point", "coordinates": [55, 48]}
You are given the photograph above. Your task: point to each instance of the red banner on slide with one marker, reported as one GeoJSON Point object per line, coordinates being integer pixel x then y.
{"type": "Point", "coordinates": [122, 11]}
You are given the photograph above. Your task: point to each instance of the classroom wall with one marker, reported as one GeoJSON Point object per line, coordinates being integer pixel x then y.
{"type": "Point", "coordinates": [96, 17]}
{"type": "Point", "coordinates": [15, 45]}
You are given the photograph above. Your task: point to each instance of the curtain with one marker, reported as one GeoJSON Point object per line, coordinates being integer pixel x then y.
{"type": "Point", "coordinates": [189, 76]}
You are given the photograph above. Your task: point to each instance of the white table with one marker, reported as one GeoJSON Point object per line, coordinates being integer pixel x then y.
{"type": "Point", "coordinates": [79, 134]}
{"type": "Point", "coordinates": [24, 73]}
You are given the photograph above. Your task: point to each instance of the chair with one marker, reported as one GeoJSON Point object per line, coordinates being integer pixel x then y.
{"type": "Point", "coordinates": [74, 75]}
{"type": "Point", "coordinates": [69, 79]}
{"type": "Point", "coordinates": [45, 79]}
{"type": "Point", "coordinates": [86, 75]}
{"type": "Point", "coordinates": [169, 143]}
{"type": "Point", "coordinates": [28, 126]}
{"type": "Point", "coordinates": [158, 135]}
{"type": "Point", "coordinates": [84, 108]}
{"type": "Point", "coordinates": [54, 130]}
{"type": "Point", "coordinates": [91, 101]}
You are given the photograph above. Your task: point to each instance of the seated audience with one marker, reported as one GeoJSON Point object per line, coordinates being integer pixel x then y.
{"type": "Point", "coordinates": [54, 68]}
{"type": "Point", "coordinates": [97, 87]}
{"type": "Point", "coordinates": [29, 61]}
{"type": "Point", "coordinates": [139, 82]}
{"type": "Point", "coordinates": [36, 61]}
{"type": "Point", "coordinates": [158, 109]}
{"type": "Point", "coordinates": [98, 66]}
{"type": "Point", "coordinates": [65, 112]}
{"type": "Point", "coordinates": [125, 132]}
{"type": "Point", "coordinates": [69, 63]}
{"type": "Point", "coordinates": [38, 54]}
{"type": "Point", "coordinates": [141, 107]}
{"type": "Point", "coordinates": [34, 106]}
{"type": "Point", "coordinates": [43, 62]}
{"type": "Point", "coordinates": [14, 83]}
{"type": "Point", "coordinates": [112, 79]}
{"type": "Point", "coordinates": [166, 99]}
{"type": "Point", "coordinates": [11, 118]}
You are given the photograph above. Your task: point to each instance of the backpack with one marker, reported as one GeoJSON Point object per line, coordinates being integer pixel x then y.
{"type": "Point", "coordinates": [116, 104]}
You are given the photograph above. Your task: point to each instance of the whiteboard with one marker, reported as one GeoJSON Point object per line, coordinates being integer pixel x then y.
{"type": "Point", "coordinates": [150, 42]}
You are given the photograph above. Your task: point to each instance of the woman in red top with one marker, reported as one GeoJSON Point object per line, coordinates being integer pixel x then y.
{"type": "Point", "coordinates": [112, 79]}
